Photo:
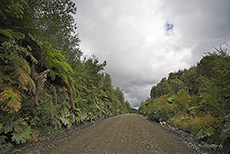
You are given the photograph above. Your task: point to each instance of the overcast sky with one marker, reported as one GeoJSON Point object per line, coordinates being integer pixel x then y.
{"type": "Point", "coordinates": [144, 40]}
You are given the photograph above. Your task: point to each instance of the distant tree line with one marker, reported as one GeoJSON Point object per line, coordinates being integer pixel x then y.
{"type": "Point", "coordinates": [45, 82]}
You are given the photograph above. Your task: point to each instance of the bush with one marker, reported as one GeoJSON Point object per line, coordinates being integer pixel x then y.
{"type": "Point", "coordinates": [192, 124]}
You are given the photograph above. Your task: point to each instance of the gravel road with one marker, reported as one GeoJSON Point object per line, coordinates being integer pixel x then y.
{"type": "Point", "coordinates": [124, 134]}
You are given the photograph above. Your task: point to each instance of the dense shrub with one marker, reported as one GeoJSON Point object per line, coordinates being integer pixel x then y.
{"type": "Point", "coordinates": [195, 100]}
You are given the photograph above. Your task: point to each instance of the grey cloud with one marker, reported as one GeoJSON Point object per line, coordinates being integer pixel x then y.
{"type": "Point", "coordinates": [202, 23]}
{"type": "Point", "coordinates": [130, 36]}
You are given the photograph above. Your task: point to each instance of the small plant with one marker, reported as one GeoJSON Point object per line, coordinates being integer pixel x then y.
{"type": "Point", "coordinates": [205, 132]}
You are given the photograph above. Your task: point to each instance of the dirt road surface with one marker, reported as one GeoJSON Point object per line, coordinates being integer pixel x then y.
{"type": "Point", "coordinates": [124, 134]}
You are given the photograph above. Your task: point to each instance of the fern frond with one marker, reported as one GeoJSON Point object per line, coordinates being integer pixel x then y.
{"type": "Point", "coordinates": [10, 100]}
{"type": "Point", "coordinates": [73, 93]}
{"type": "Point", "coordinates": [41, 79]}
{"type": "Point", "coordinates": [54, 94]}
{"type": "Point", "coordinates": [11, 125]}
{"type": "Point", "coordinates": [70, 84]}
{"type": "Point", "coordinates": [9, 33]}
{"type": "Point", "coordinates": [23, 64]}
{"type": "Point", "coordinates": [29, 54]}
{"type": "Point", "coordinates": [64, 120]}
{"type": "Point", "coordinates": [2, 14]}
{"type": "Point", "coordinates": [22, 135]}
{"type": "Point", "coordinates": [25, 81]}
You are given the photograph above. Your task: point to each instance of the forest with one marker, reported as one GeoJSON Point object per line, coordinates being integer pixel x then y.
{"type": "Point", "coordinates": [195, 100]}
{"type": "Point", "coordinates": [46, 84]}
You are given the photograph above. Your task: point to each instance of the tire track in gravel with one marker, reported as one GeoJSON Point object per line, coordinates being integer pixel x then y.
{"type": "Point", "coordinates": [124, 134]}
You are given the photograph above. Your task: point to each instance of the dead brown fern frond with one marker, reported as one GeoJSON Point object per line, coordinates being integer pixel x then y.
{"type": "Point", "coordinates": [10, 100]}
{"type": "Point", "coordinates": [40, 81]}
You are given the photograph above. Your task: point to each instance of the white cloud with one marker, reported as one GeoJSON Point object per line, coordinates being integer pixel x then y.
{"type": "Point", "coordinates": [131, 36]}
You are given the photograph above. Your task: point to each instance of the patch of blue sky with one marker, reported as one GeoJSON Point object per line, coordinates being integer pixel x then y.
{"type": "Point", "coordinates": [168, 28]}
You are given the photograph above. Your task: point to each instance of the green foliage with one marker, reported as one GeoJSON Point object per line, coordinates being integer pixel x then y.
{"type": "Point", "coordinates": [182, 100]}
{"type": "Point", "coordinates": [11, 12]}
{"type": "Point", "coordinates": [45, 112]}
{"type": "Point", "coordinates": [45, 83]}
{"type": "Point", "coordinates": [55, 22]}
{"type": "Point", "coordinates": [9, 33]}
{"type": "Point", "coordinates": [66, 117]}
{"type": "Point", "coordinates": [22, 135]}
{"type": "Point", "coordinates": [195, 100]}
{"type": "Point", "coordinates": [175, 85]}
{"type": "Point", "coordinates": [158, 109]}
{"type": "Point", "coordinates": [12, 125]}
{"type": "Point", "coordinates": [20, 130]}
{"type": "Point", "coordinates": [193, 124]}
{"type": "Point", "coordinates": [206, 132]}
{"type": "Point", "coordinates": [11, 51]}
{"type": "Point", "coordinates": [160, 89]}
{"type": "Point", "coordinates": [15, 67]}
{"type": "Point", "coordinates": [55, 62]}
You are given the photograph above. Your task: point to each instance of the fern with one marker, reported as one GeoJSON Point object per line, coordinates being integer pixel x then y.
{"type": "Point", "coordinates": [40, 81]}
{"type": "Point", "coordinates": [10, 100]}
{"type": "Point", "coordinates": [64, 120]}
{"type": "Point", "coordinates": [8, 51]}
{"type": "Point", "coordinates": [9, 126]}
{"type": "Point", "coordinates": [73, 118]}
{"type": "Point", "coordinates": [22, 135]}
{"type": "Point", "coordinates": [55, 62]}
{"type": "Point", "coordinates": [22, 72]}
{"type": "Point", "coordinates": [72, 92]}
{"type": "Point", "coordinates": [66, 117]}
{"type": "Point", "coordinates": [12, 55]}
{"type": "Point", "coordinates": [9, 33]}
{"type": "Point", "coordinates": [11, 51]}
{"type": "Point", "coordinates": [205, 132]}
{"type": "Point", "coordinates": [54, 91]}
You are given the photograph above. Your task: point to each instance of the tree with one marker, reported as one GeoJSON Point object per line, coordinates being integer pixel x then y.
{"type": "Point", "coordinates": [44, 83]}
{"type": "Point", "coordinates": [55, 21]}
{"type": "Point", "coordinates": [199, 97]}
{"type": "Point", "coordinates": [160, 89]}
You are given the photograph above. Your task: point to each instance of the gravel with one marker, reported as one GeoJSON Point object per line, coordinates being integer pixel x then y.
{"type": "Point", "coordinates": [191, 142]}
{"type": "Point", "coordinates": [130, 133]}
